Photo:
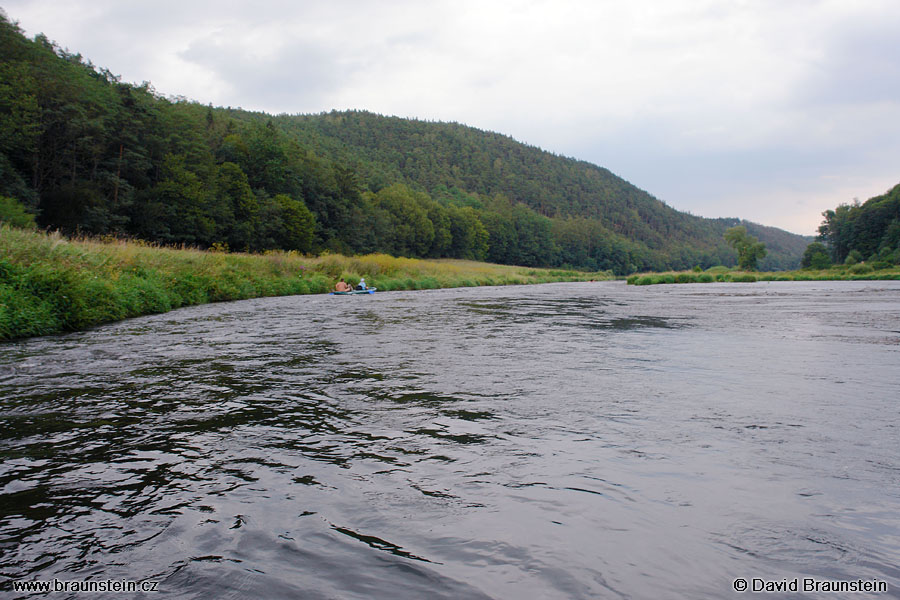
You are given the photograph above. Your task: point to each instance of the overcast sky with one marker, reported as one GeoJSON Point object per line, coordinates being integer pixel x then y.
{"type": "Point", "coordinates": [771, 111]}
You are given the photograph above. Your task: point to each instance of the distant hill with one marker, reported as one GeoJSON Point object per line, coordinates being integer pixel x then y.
{"type": "Point", "coordinates": [86, 152]}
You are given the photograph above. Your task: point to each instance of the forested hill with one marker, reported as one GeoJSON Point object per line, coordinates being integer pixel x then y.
{"type": "Point", "coordinates": [440, 156]}
{"type": "Point", "coordinates": [87, 152]}
{"type": "Point", "coordinates": [450, 159]}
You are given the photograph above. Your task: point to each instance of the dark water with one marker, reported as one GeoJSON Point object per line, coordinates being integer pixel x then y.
{"type": "Point", "coordinates": [556, 441]}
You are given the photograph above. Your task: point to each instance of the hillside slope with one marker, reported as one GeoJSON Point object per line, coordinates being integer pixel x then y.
{"type": "Point", "coordinates": [439, 156]}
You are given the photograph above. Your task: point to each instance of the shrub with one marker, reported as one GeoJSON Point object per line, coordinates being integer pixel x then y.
{"type": "Point", "coordinates": [189, 289]}
{"type": "Point", "coordinates": [9, 272]}
{"type": "Point", "coordinates": [744, 278]}
{"type": "Point", "coordinates": [854, 257]}
{"type": "Point", "coordinates": [390, 284]}
{"type": "Point", "coordinates": [299, 286]}
{"type": "Point", "coordinates": [318, 284]}
{"type": "Point", "coordinates": [861, 268]}
{"type": "Point", "coordinates": [13, 213]}
{"type": "Point", "coordinates": [816, 257]}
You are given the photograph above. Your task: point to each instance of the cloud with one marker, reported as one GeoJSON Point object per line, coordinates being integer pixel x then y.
{"type": "Point", "coordinates": [294, 77]}
{"type": "Point", "coordinates": [859, 63]}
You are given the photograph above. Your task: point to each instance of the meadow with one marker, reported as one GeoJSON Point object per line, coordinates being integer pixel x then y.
{"type": "Point", "coordinates": [50, 283]}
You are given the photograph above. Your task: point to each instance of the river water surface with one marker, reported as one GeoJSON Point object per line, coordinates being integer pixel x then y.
{"type": "Point", "coordinates": [589, 440]}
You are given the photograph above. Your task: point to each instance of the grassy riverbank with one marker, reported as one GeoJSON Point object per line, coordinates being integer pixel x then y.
{"type": "Point", "coordinates": [860, 271]}
{"type": "Point", "coordinates": [50, 284]}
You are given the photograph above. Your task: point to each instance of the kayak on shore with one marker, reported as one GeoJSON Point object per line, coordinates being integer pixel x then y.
{"type": "Point", "coordinates": [351, 292]}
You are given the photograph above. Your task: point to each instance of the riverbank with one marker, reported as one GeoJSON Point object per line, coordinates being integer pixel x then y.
{"type": "Point", "coordinates": [861, 271]}
{"type": "Point", "coordinates": [51, 284]}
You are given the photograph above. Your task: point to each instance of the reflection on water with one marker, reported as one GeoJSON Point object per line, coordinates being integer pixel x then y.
{"type": "Point", "coordinates": [565, 441]}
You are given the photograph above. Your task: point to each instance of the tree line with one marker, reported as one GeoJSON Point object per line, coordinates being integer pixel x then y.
{"type": "Point", "coordinates": [859, 232]}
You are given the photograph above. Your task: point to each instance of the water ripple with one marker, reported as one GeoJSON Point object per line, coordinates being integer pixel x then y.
{"type": "Point", "coordinates": [577, 441]}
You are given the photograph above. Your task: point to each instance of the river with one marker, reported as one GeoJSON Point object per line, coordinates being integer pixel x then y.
{"type": "Point", "coordinates": [587, 440]}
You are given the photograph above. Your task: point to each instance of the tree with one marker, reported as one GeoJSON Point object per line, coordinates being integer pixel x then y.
{"type": "Point", "coordinates": [172, 210]}
{"type": "Point", "coordinates": [235, 207]}
{"type": "Point", "coordinates": [13, 213]}
{"type": "Point", "coordinates": [412, 231]}
{"type": "Point", "coordinates": [19, 128]}
{"type": "Point", "coordinates": [748, 248]}
{"type": "Point", "coordinates": [469, 238]}
{"type": "Point", "coordinates": [870, 229]}
{"type": "Point", "coordinates": [854, 257]}
{"type": "Point", "coordinates": [299, 224]}
{"type": "Point", "coordinates": [816, 257]}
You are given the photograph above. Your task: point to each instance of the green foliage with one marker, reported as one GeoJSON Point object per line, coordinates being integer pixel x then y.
{"type": "Point", "coordinates": [14, 214]}
{"type": "Point", "coordinates": [411, 232]}
{"type": "Point", "coordinates": [750, 250]}
{"type": "Point", "coordinates": [717, 269]}
{"type": "Point", "coordinates": [854, 256]}
{"type": "Point", "coordinates": [815, 257]}
{"type": "Point", "coordinates": [867, 229]}
{"type": "Point", "coordinates": [234, 206]}
{"type": "Point", "coordinates": [297, 225]}
{"type": "Point", "coordinates": [468, 235]}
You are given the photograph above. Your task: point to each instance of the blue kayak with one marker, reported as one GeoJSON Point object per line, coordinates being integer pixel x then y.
{"type": "Point", "coordinates": [352, 292]}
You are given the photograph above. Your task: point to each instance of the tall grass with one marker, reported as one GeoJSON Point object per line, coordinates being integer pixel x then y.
{"type": "Point", "coordinates": [50, 284]}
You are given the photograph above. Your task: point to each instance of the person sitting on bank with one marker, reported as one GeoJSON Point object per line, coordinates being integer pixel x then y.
{"type": "Point", "coordinates": [342, 286]}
